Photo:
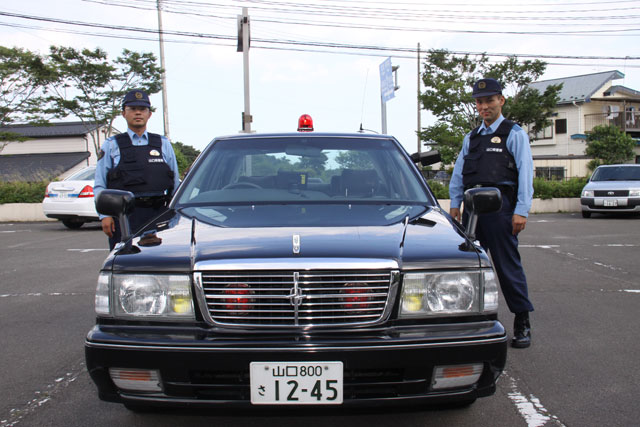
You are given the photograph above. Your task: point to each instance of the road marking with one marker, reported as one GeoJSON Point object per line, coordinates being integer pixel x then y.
{"type": "Point", "coordinates": [87, 250]}
{"type": "Point", "coordinates": [633, 291]}
{"type": "Point", "coordinates": [530, 408]}
{"type": "Point", "coordinates": [49, 294]}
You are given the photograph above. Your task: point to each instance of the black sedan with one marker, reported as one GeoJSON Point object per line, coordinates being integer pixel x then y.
{"type": "Point", "coordinates": [298, 269]}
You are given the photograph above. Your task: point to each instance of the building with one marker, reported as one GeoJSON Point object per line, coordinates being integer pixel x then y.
{"type": "Point", "coordinates": [56, 150]}
{"type": "Point", "coordinates": [585, 101]}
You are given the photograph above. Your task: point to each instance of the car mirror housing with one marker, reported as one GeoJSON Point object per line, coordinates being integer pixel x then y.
{"type": "Point", "coordinates": [117, 203]}
{"type": "Point", "coordinates": [426, 159]}
{"type": "Point", "coordinates": [480, 200]}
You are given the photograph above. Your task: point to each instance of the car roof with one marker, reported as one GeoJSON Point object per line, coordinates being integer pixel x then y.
{"type": "Point", "coordinates": [631, 165]}
{"type": "Point", "coordinates": [305, 135]}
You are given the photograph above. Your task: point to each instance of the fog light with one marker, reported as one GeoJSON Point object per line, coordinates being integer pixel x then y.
{"type": "Point", "coordinates": [136, 379]}
{"type": "Point", "coordinates": [456, 375]}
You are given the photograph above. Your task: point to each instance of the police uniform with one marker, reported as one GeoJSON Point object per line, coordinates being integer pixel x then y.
{"type": "Point", "coordinates": [145, 165]}
{"type": "Point", "coordinates": [499, 156]}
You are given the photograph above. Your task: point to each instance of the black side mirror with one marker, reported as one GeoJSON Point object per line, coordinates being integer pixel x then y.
{"type": "Point", "coordinates": [478, 201]}
{"type": "Point", "coordinates": [119, 204]}
{"type": "Point", "coordinates": [426, 159]}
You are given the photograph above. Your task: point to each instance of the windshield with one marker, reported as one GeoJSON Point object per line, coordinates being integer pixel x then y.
{"type": "Point", "coordinates": [617, 173]}
{"type": "Point", "coordinates": [83, 175]}
{"type": "Point", "coordinates": [304, 179]}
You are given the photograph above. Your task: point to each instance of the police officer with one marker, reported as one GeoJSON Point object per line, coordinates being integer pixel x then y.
{"type": "Point", "coordinates": [497, 154]}
{"type": "Point", "coordinates": [137, 161]}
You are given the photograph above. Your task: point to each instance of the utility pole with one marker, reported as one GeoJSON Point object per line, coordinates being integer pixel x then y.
{"type": "Point", "coordinates": [387, 88]}
{"type": "Point", "coordinates": [419, 121]}
{"type": "Point", "coordinates": [243, 46]}
{"type": "Point", "coordinates": [165, 104]}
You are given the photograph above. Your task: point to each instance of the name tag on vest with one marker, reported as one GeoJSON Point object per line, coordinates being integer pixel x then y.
{"type": "Point", "coordinates": [156, 161]}
{"type": "Point", "coordinates": [495, 150]}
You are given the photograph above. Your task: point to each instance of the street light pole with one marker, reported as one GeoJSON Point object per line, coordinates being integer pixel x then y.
{"type": "Point", "coordinates": [165, 104]}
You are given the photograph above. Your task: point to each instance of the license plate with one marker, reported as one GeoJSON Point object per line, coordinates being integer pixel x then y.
{"type": "Point", "coordinates": [613, 202]}
{"type": "Point", "coordinates": [62, 195]}
{"type": "Point", "coordinates": [296, 383]}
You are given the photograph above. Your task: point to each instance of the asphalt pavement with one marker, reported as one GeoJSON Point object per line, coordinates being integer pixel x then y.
{"type": "Point", "coordinates": [580, 371]}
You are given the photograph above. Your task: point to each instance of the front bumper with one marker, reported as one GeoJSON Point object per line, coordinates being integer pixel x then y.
{"type": "Point", "coordinates": [610, 204]}
{"type": "Point", "coordinates": [381, 366]}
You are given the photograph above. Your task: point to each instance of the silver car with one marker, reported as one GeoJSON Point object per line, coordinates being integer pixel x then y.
{"type": "Point", "coordinates": [612, 189]}
{"type": "Point", "coordinates": [71, 200]}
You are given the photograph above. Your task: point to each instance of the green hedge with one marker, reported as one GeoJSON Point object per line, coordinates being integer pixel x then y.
{"type": "Point", "coordinates": [22, 192]}
{"type": "Point", "coordinates": [542, 189]}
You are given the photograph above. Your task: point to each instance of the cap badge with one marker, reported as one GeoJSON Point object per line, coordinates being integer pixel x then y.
{"type": "Point", "coordinates": [154, 153]}
{"type": "Point", "coordinates": [482, 85]}
{"type": "Point", "coordinates": [138, 95]}
{"type": "Point", "coordinates": [496, 140]}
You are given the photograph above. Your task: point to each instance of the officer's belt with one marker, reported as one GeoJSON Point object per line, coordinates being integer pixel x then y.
{"type": "Point", "coordinates": [151, 201]}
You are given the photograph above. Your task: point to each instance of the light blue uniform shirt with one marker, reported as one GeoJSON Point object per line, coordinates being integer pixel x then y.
{"type": "Point", "coordinates": [518, 146]}
{"type": "Point", "coordinates": [111, 158]}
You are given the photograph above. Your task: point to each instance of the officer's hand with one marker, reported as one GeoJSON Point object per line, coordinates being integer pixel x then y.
{"type": "Point", "coordinates": [455, 213]}
{"type": "Point", "coordinates": [108, 226]}
{"type": "Point", "coordinates": [519, 222]}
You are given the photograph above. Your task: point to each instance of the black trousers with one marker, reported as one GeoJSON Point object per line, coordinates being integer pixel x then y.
{"type": "Point", "coordinates": [494, 232]}
{"type": "Point", "coordinates": [139, 217]}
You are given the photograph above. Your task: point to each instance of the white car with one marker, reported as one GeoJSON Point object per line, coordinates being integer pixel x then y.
{"type": "Point", "coordinates": [71, 200]}
{"type": "Point", "coordinates": [612, 189]}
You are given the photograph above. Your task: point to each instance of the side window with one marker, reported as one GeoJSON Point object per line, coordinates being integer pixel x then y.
{"type": "Point", "coordinates": [561, 126]}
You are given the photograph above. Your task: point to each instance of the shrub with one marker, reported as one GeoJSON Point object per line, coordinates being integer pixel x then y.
{"type": "Point", "coordinates": [542, 189]}
{"type": "Point", "coordinates": [22, 192]}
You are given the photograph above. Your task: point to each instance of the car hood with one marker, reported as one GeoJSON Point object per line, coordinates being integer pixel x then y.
{"type": "Point", "coordinates": [611, 185]}
{"type": "Point", "coordinates": [182, 244]}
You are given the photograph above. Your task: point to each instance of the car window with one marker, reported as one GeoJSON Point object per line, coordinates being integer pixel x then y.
{"type": "Point", "coordinates": [304, 170]}
{"type": "Point", "coordinates": [83, 175]}
{"type": "Point", "coordinates": [620, 173]}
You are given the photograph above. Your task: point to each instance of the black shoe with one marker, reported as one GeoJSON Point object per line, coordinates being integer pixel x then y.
{"type": "Point", "coordinates": [521, 331]}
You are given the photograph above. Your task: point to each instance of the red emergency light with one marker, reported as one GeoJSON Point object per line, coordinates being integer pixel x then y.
{"type": "Point", "coordinates": [305, 123]}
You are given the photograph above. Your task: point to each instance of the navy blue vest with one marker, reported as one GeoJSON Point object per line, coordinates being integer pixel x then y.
{"type": "Point", "coordinates": [488, 162]}
{"type": "Point", "coordinates": [142, 169]}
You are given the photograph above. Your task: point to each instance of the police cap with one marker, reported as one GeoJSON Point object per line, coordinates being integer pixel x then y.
{"type": "Point", "coordinates": [136, 98]}
{"type": "Point", "coordinates": [486, 87]}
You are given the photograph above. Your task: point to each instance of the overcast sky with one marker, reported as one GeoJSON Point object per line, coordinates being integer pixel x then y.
{"type": "Point", "coordinates": [322, 57]}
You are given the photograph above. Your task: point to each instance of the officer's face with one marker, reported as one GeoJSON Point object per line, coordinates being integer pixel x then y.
{"type": "Point", "coordinates": [490, 107]}
{"type": "Point", "coordinates": [136, 117]}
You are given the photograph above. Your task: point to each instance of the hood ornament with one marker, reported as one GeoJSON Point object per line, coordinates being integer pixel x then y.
{"type": "Point", "coordinates": [296, 243]}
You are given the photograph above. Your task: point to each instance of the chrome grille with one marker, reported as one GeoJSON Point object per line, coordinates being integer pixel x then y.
{"type": "Point", "coordinates": [611, 193]}
{"type": "Point", "coordinates": [295, 298]}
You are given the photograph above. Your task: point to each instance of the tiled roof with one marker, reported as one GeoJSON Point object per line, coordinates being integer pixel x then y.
{"type": "Point", "coordinates": [579, 88]}
{"type": "Point", "coordinates": [52, 130]}
{"type": "Point", "coordinates": [37, 167]}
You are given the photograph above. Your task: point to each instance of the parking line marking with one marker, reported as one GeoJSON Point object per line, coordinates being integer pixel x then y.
{"type": "Point", "coordinates": [87, 250]}
{"type": "Point", "coordinates": [530, 408]}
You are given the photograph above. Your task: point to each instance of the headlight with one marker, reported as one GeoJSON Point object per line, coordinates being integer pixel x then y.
{"type": "Point", "coordinates": [587, 193]}
{"type": "Point", "coordinates": [430, 294]}
{"type": "Point", "coordinates": [144, 295]}
{"type": "Point", "coordinates": [634, 193]}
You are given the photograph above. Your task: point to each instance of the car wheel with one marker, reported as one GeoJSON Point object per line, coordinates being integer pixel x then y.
{"type": "Point", "coordinates": [586, 214]}
{"type": "Point", "coordinates": [74, 225]}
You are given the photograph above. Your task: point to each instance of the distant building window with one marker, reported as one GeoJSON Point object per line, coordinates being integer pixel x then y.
{"type": "Point", "coordinates": [546, 133]}
{"type": "Point", "coordinates": [561, 126]}
{"type": "Point", "coordinates": [550, 173]}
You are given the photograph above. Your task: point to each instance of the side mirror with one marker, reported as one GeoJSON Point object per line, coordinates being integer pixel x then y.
{"type": "Point", "coordinates": [479, 201]}
{"type": "Point", "coordinates": [119, 204]}
{"type": "Point", "coordinates": [426, 159]}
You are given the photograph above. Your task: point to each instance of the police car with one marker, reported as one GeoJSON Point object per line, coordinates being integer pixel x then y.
{"type": "Point", "coordinates": [298, 269]}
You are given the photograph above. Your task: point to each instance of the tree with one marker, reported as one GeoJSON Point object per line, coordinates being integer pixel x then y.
{"type": "Point", "coordinates": [185, 155]}
{"type": "Point", "coordinates": [90, 87]}
{"type": "Point", "coordinates": [448, 80]}
{"type": "Point", "coordinates": [609, 145]}
{"type": "Point", "coordinates": [23, 80]}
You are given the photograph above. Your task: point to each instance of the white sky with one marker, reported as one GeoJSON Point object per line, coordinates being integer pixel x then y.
{"type": "Point", "coordinates": [340, 91]}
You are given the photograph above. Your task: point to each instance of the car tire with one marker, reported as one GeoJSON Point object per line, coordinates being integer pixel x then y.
{"type": "Point", "coordinates": [586, 214]}
{"type": "Point", "coordinates": [74, 225]}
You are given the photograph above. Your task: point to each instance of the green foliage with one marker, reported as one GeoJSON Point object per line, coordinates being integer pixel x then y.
{"type": "Point", "coordinates": [448, 81]}
{"type": "Point", "coordinates": [185, 155]}
{"type": "Point", "coordinates": [22, 192]}
{"type": "Point", "coordinates": [609, 145]}
{"type": "Point", "coordinates": [90, 87]}
{"type": "Point", "coordinates": [542, 189]}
